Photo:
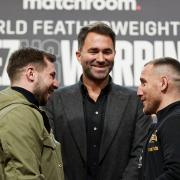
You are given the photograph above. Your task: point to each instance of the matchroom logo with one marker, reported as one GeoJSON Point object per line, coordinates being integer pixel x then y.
{"type": "Point", "coordinates": [86, 5]}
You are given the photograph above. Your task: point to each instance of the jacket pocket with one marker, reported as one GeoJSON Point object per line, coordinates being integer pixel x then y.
{"type": "Point", "coordinates": [51, 166]}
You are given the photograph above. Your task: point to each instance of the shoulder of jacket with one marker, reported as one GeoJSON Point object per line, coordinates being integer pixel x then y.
{"type": "Point", "coordinates": [68, 89]}
{"type": "Point", "coordinates": [123, 89]}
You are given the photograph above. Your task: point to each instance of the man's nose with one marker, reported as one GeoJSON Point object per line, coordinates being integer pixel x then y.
{"type": "Point", "coordinates": [139, 91]}
{"type": "Point", "coordinates": [56, 83]}
{"type": "Point", "coordinates": [100, 57]}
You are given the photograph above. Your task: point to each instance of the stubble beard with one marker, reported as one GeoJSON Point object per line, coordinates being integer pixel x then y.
{"type": "Point", "coordinates": [88, 72]}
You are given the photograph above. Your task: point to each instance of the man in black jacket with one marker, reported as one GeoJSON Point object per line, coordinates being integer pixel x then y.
{"type": "Point", "coordinates": [160, 94]}
{"type": "Point", "coordinates": [101, 125]}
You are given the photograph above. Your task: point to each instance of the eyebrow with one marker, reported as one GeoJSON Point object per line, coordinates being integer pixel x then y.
{"type": "Point", "coordinates": [105, 49]}
{"type": "Point", "coordinates": [176, 79]}
{"type": "Point", "coordinates": [93, 49]}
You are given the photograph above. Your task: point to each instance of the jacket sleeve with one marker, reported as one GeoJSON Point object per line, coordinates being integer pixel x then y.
{"type": "Point", "coordinates": [21, 147]}
{"type": "Point", "coordinates": [169, 136]}
{"type": "Point", "coordinates": [142, 125]}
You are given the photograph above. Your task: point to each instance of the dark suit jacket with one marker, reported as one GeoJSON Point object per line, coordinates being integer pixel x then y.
{"type": "Point", "coordinates": [124, 132]}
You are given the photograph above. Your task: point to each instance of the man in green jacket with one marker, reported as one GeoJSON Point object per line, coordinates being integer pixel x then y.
{"type": "Point", "coordinates": [28, 149]}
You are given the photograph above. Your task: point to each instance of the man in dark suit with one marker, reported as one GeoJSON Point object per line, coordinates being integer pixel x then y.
{"type": "Point", "coordinates": [100, 125]}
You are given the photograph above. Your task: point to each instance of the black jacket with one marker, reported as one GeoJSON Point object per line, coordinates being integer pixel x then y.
{"type": "Point", "coordinates": [124, 131]}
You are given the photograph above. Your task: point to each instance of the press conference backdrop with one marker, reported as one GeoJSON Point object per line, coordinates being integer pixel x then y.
{"type": "Point", "coordinates": [145, 29]}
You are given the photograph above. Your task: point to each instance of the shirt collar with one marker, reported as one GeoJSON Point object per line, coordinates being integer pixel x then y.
{"type": "Point", "coordinates": [106, 89]}
{"type": "Point", "coordinates": [27, 94]}
{"type": "Point", "coordinates": [163, 112]}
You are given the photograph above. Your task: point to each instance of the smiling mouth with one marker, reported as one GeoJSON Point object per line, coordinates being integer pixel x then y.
{"type": "Point", "coordinates": [143, 100]}
{"type": "Point", "coordinates": [100, 67]}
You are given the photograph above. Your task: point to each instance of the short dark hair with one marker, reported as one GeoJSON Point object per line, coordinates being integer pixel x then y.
{"type": "Point", "coordinates": [173, 63]}
{"type": "Point", "coordinates": [24, 56]}
{"type": "Point", "coordinates": [99, 28]}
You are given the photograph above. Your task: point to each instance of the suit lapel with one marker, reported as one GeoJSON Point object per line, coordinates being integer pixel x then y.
{"type": "Point", "coordinates": [114, 114]}
{"type": "Point", "coordinates": [75, 116]}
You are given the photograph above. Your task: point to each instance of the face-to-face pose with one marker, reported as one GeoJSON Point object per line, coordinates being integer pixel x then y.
{"type": "Point", "coordinates": [149, 89]}
{"type": "Point", "coordinates": [35, 71]}
{"type": "Point", "coordinates": [46, 83]}
{"type": "Point", "coordinates": [160, 84]}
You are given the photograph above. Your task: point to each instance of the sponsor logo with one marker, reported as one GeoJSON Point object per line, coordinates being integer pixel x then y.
{"type": "Point", "coordinates": [99, 5]}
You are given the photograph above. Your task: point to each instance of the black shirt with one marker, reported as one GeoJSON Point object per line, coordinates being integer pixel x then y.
{"type": "Point", "coordinates": [161, 159]}
{"type": "Point", "coordinates": [27, 94]}
{"type": "Point", "coordinates": [94, 113]}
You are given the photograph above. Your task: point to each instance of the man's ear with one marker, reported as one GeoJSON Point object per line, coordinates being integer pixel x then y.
{"type": "Point", "coordinates": [164, 83]}
{"type": "Point", "coordinates": [30, 73]}
{"type": "Point", "coordinates": [78, 56]}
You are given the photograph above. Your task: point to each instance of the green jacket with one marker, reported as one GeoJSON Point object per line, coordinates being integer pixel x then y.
{"type": "Point", "coordinates": [27, 150]}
